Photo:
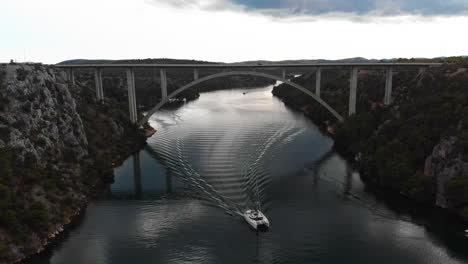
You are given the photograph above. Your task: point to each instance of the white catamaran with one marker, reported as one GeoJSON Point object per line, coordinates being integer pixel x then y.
{"type": "Point", "coordinates": [257, 219]}
{"type": "Point", "coordinates": [254, 217]}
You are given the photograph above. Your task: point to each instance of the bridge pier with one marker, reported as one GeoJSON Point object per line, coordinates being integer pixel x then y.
{"type": "Point", "coordinates": [195, 74]}
{"type": "Point", "coordinates": [98, 80]}
{"type": "Point", "coordinates": [163, 85]}
{"type": "Point", "coordinates": [353, 91]}
{"type": "Point", "coordinates": [71, 76]}
{"type": "Point", "coordinates": [318, 80]}
{"type": "Point", "coordinates": [284, 74]}
{"type": "Point", "coordinates": [422, 70]}
{"type": "Point", "coordinates": [388, 85]}
{"type": "Point", "coordinates": [132, 95]}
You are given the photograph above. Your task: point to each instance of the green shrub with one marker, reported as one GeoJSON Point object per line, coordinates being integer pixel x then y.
{"type": "Point", "coordinates": [8, 220]}
{"type": "Point", "coordinates": [5, 167]}
{"type": "Point", "coordinates": [21, 74]}
{"type": "Point", "coordinates": [420, 187]}
{"type": "Point", "coordinates": [69, 200]}
{"type": "Point", "coordinates": [5, 197]}
{"type": "Point", "coordinates": [5, 134]}
{"type": "Point", "coordinates": [69, 154]}
{"type": "Point", "coordinates": [30, 160]}
{"type": "Point", "coordinates": [30, 176]}
{"type": "Point", "coordinates": [462, 144]}
{"type": "Point", "coordinates": [2, 77]}
{"type": "Point", "coordinates": [36, 217]}
{"type": "Point", "coordinates": [456, 191]}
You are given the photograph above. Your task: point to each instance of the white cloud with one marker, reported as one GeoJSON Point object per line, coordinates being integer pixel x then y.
{"type": "Point", "coordinates": [55, 30]}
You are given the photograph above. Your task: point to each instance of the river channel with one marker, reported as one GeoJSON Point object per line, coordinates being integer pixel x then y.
{"type": "Point", "coordinates": [179, 199]}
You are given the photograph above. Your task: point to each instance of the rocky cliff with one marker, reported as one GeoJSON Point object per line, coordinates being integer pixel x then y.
{"type": "Point", "coordinates": [445, 163]}
{"type": "Point", "coordinates": [56, 146]}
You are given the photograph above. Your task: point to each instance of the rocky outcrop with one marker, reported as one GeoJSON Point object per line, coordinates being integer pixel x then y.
{"type": "Point", "coordinates": [444, 164]}
{"type": "Point", "coordinates": [57, 145]}
{"type": "Point", "coordinates": [39, 120]}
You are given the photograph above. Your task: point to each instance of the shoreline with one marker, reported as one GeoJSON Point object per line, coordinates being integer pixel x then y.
{"type": "Point", "coordinates": [137, 141]}
{"type": "Point", "coordinates": [377, 190]}
{"type": "Point", "coordinates": [64, 229]}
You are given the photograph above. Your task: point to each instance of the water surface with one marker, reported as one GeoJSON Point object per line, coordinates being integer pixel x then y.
{"type": "Point", "coordinates": [178, 200]}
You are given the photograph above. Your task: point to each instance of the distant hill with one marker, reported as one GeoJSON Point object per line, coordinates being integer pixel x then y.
{"type": "Point", "coordinates": [136, 61]}
{"type": "Point", "coordinates": [264, 62]}
{"type": "Point", "coordinates": [81, 61]}
{"type": "Point", "coordinates": [177, 61]}
{"type": "Point", "coordinates": [349, 60]}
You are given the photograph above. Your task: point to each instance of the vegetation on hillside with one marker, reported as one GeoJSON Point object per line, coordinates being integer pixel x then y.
{"type": "Point", "coordinates": [391, 143]}
{"type": "Point", "coordinates": [37, 198]}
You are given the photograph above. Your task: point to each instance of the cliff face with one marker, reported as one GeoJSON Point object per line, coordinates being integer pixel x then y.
{"type": "Point", "coordinates": [444, 164]}
{"type": "Point", "coordinates": [450, 171]}
{"type": "Point", "coordinates": [417, 146]}
{"type": "Point", "coordinates": [56, 145]}
{"type": "Point", "coordinates": [39, 120]}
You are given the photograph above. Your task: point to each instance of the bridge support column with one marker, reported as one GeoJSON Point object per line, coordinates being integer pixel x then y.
{"type": "Point", "coordinates": [422, 70]}
{"type": "Point", "coordinates": [318, 81]}
{"type": "Point", "coordinates": [195, 74]}
{"type": "Point", "coordinates": [388, 86]}
{"type": "Point", "coordinates": [98, 80]}
{"type": "Point", "coordinates": [132, 96]}
{"type": "Point", "coordinates": [284, 74]}
{"type": "Point", "coordinates": [71, 76]}
{"type": "Point", "coordinates": [353, 90]}
{"type": "Point", "coordinates": [163, 85]}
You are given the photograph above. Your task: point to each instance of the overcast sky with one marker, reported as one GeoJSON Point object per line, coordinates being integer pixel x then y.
{"type": "Point", "coordinates": [51, 31]}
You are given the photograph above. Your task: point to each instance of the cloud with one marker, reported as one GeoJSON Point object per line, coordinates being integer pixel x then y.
{"type": "Point", "coordinates": [288, 8]}
{"type": "Point", "coordinates": [201, 4]}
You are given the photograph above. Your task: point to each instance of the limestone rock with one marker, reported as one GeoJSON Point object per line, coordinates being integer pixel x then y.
{"type": "Point", "coordinates": [444, 163]}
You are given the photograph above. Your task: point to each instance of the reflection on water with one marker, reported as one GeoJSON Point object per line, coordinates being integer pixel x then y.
{"type": "Point", "coordinates": [177, 200]}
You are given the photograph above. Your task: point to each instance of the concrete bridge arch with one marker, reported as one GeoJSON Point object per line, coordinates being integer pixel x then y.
{"type": "Point", "coordinates": [237, 73]}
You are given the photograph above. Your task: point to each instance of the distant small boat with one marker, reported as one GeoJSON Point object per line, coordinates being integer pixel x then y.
{"type": "Point", "coordinates": [257, 220]}
{"type": "Point", "coordinates": [244, 93]}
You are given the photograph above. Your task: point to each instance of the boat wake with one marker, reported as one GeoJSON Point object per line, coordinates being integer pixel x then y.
{"type": "Point", "coordinates": [234, 192]}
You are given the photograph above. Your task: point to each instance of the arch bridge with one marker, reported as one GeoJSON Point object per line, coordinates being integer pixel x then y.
{"type": "Point", "coordinates": [236, 70]}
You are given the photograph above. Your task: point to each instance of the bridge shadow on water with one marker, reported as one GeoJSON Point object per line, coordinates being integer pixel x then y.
{"type": "Point", "coordinates": [178, 179]}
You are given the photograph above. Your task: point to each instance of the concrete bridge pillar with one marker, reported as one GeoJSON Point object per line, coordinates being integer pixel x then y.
{"type": "Point", "coordinates": [195, 74]}
{"type": "Point", "coordinates": [132, 95]}
{"type": "Point", "coordinates": [98, 80]}
{"type": "Point", "coordinates": [422, 70]}
{"type": "Point", "coordinates": [318, 81]}
{"type": "Point", "coordinates": [163, 85]}
{"type": "Point", "coordinates": [71, 76]}
{"type": "Point", "coordinates": [388, 86]}
{"type": "Point", "coordinates": [284, 74]}
{"type": "Point", "coordinates": [353, 90]}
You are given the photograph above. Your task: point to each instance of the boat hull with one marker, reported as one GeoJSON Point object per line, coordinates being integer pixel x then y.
{"type": "Point", "coordinates": [259, 222]}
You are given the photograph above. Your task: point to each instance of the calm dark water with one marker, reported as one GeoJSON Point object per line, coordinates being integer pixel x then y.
{"type": "Point", "coordinates": [178, 200]}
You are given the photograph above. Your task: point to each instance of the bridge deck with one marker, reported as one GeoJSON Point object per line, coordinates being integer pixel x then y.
{"type": "Point", "coordinates": [224, 66]}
